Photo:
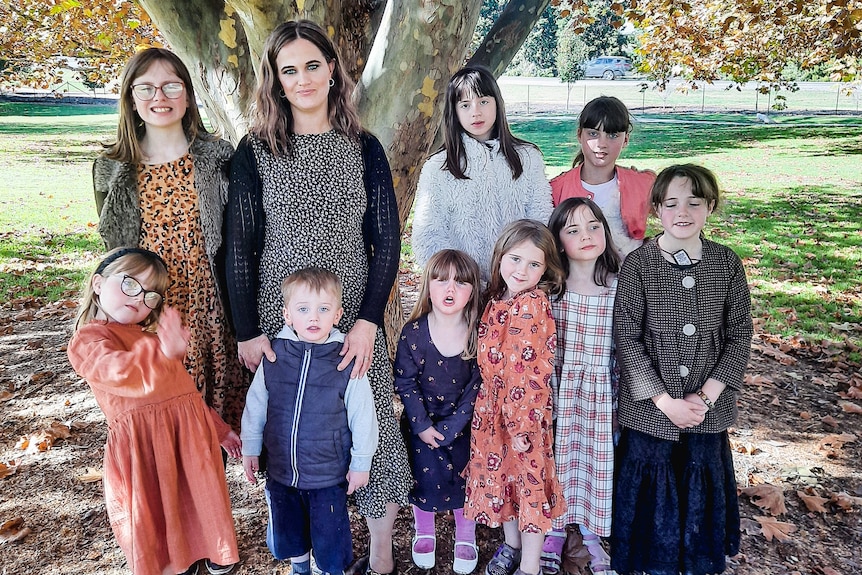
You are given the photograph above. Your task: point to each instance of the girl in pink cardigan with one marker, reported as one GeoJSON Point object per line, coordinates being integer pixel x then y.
{"type": "Point", "coordinates": [622, 193]}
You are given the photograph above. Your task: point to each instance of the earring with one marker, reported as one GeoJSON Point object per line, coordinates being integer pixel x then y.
{"type": "Point", "coordinates": [281, 93]}
{"type": "Point", "coordinates": [331, 82]}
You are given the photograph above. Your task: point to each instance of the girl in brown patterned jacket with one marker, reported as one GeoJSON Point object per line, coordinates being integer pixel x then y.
{"type": "Point", "coordinates": [682, 326]}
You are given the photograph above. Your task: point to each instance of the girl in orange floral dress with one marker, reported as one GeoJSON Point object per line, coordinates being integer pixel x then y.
{"type": "Point", "coordinates": [511, 479]}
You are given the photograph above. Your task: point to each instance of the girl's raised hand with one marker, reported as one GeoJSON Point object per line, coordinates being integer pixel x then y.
{"type": "Point", "coordinates": [173, 337]}
{"type": "Point", "coordinates": [684, 414]}
{"type": "Point", "coordinates": [431, 436]}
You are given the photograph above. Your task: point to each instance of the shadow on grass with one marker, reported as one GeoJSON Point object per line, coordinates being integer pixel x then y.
{"type": "Point", "coordinates": [557, 138]}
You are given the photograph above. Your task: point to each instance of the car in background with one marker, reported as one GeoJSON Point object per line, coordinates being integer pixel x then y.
{"type": "Point", "coordinates": [607, 67]}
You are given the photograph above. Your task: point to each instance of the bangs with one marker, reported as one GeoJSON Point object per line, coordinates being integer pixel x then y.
{"type": "Point", "coordinates": [445, 263]}
{"type": "Point", "coordinates": [472, 85]}
{"type": "Point", "coordinates": [606, 114]}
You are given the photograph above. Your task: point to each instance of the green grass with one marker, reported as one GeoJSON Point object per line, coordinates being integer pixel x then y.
{"type": "Point", "coordinates": [792, 207]}
{"type": "Point", "coordinates": [792, 204]}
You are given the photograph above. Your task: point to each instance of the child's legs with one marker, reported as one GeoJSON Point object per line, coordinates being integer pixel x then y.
{"type": "Point", "coordinates": [331, 541]}
{"type": "Point", "coordinates": [423, 522]}
{"type": "Point", "coordinates": [531, 551]}
{"type": "Point", "coordinates": [287, 532]}
{"type": "Point", "coordinates": [465, 531]}
{"type": "Point", "coordinates": [380, 544]}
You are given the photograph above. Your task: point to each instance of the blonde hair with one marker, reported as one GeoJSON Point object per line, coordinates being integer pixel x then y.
{"type": "Point", "coordinates": [130, 261]}
{"type": "Point", "coordinates": [443, 265]}
{"type": "Point", "coordinates": [535, 232]}
{"type": "Point", "coordinates": [315, 279]}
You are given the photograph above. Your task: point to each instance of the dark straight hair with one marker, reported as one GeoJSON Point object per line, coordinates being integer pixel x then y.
{"type": "Point", "coordinates": [468, 82]}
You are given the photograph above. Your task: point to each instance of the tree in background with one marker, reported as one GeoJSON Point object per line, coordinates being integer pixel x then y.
{"type": "Point", "coordinates": [600, 29]}
{"type": "Point", "coordinates": [96, 38]}
{"type": "Point", "coordinates": [572, 52]}
{"type": "Point", "coordinates": [538, 55]}
{"type": "Point", "coordinates": [742, 39]}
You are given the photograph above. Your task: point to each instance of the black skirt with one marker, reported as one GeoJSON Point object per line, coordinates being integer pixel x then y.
{"type": "Point", "coordinates": [675, 505]}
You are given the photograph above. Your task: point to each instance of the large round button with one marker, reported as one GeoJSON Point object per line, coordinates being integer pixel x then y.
{"type": "Point", "coordinates": [688, 282]}
{"type": "Point", "coordinates": [683, 371]}
{"type": "Point", "coordinates": [688, 329]}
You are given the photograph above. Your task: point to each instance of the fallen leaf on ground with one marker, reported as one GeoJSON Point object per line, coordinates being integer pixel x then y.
{"type": "Point", "coordinates": [768, 497]}
{"type": "Point", "coordinates": [8, 468]}
{"type": "Point", "coordinates": [845, 501]}
{"type": "Point", "coordinates": [13, 530]}
{"type": "Point", "coordinates": [576, 556]}
{"type": "Point", "coordinates": [830, 571]}
{"type": "Point", "coordinates": [836, 440]}
{"type": "Point", "coordinates": [5, 394]}
{"type": "Point", "coordinates": [774, 528]}
{"type": "Point", "coordinates": [44, 439]}
{"type": "Point", "coordinates": [93, 474]}
{"type": "Point", "coordinates": [804, 415]}
{"type": "Point", "coordinates": [850, 407]}
{"type": "Point", "coordinates": [823, 382]}
{"type": "Point", "coordinates": [830, 421]}
{"type": "Point", "coordinates": [812, 501]}
{"type": "Point", "coordinates": [750, 526]}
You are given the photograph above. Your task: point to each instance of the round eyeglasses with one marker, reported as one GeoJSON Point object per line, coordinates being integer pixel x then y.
{"type": "Point", "coordinates": [146, 92]}
{"type": "Point", "coordinates": [133, 288]}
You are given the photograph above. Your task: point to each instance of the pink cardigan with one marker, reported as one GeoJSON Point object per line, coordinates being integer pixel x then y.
{"type": "Point", "coordinates": [635, 186]}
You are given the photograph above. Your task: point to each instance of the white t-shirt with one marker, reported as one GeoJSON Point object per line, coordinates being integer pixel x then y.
{"type": "Point", "coordinates": [607, 197]}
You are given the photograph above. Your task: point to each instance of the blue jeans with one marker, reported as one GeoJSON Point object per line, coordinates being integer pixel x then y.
{"type": "Point", "coordinates": [310, 519]}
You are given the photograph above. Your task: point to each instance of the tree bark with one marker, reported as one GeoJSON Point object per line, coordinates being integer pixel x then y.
{"type": "Point", "coordinates": [402, 53]}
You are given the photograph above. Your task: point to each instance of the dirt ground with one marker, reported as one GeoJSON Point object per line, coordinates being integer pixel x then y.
{"type": "Point", "coordinates": [798, 431]}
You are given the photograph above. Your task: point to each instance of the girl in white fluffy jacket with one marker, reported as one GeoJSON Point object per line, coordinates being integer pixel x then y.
{"type": "Point", "coordinates": [481, 179]}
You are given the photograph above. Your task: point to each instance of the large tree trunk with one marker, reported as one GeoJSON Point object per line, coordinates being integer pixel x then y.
{"type": "Point", "coordinates": [401, 52]}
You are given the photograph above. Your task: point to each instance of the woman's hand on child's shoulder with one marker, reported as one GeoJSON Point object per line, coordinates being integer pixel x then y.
{"type": "Point", "coordinates": [174, 338]}
{"type": "Point", "coordinates": [430, 437]}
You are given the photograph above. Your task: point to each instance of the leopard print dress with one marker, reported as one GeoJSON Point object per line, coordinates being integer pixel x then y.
{"type": "Point", "coordinates": [170, 226]}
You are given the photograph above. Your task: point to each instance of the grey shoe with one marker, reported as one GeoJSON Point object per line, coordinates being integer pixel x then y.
{"type": "Point", "coordinates": [504, 562]}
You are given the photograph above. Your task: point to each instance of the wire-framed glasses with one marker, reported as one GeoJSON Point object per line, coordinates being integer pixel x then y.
{"type": "Point", "coordinates": [146, 92]}
{"type": "Point", "coordinates": [133, 288]}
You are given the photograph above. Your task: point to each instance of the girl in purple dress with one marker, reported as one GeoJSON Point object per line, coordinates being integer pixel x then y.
{"type": "Point", "coordinates": [437, 378]}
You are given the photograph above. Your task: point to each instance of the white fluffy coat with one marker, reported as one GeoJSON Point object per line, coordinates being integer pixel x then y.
{"type": "Point", "coordinates": [469, 214]}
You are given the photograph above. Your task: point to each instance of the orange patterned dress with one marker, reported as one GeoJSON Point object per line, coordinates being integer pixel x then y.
{"type": "Point", "coordinates": [170, 226]}
{"type": "Point", "coordinates": [517, 341]}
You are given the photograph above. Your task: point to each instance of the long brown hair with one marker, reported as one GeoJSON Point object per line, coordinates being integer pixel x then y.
{"type": "Point", "coordinates": [552, 281]}
{"type": "Point", "coordinates": [606, 113]}
{"type": "Point", "coordinates": [131, 129]}
{"type": "Point", "coordinates": [468, 82]}
{"type": "Point", "coordinates": [442, 266]}
{"type": "Point", "coordinates": [608, 263]}
{"type": "Point", "coordinates": [131, 261]}
{"type": "Point", "coordinates": [273, 117]}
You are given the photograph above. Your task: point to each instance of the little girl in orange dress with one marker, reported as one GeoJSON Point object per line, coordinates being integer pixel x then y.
{"type": "Point", "coordinates": [164, 480]}
{"type": "Point", "coordinates": [511, 478]}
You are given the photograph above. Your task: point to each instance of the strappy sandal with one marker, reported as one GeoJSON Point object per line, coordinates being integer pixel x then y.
{"type": "Point", "coordinates": [504, 562]}
{"type": "Point", "coordinates": [427, 559]}
{"type": "Point", "coordinates": [600, 561]}
{"type": "Point", "coordinates": [465, 566]}
{"type": "Point", "coordinates": [551, 560]}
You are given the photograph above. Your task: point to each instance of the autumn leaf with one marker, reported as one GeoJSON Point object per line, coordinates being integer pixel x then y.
{"type": "Point", "coordinates": [830, 421]}
{"type": "Point", "coordinates": [768, 497]}
{"type": "Point", "coordinates": [6, 395]}
{"type": "Point", "coordinates": [850, 407]}
{"type": "Point", "coordinates": [812, 501]}
{"type": "Point", "coordinates": [750, 527]}
{"type": "Point", "coordinates": [43, 440]}
{"type": "Point", "coordinates": [92, 475]}
{"type": "Point", "coordinates": [823, 382]}
{"type": "Point", "coordinates": [8, 468]}
{"type": "Point", "coordinates": [576, 556]}
{"type": "Point", "coordinates": [13, 530]}
{"type": "Point", "coordinates": [774, 528]}
{"type": "Point", "coordinates": [845, 501]}
{"type": "Point", "coordinates": [836, 440]}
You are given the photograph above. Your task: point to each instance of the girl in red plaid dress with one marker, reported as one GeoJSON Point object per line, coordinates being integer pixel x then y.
{"type": "Point", "coordinates": [584, 381]}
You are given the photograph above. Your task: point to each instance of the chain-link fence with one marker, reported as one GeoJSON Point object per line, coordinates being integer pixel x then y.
{"type": "Point", "coordinates": [549, 95]}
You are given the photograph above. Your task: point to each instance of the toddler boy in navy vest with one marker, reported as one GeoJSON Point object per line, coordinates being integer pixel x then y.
{"type": "Point", "coordinates": [318, 425]}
